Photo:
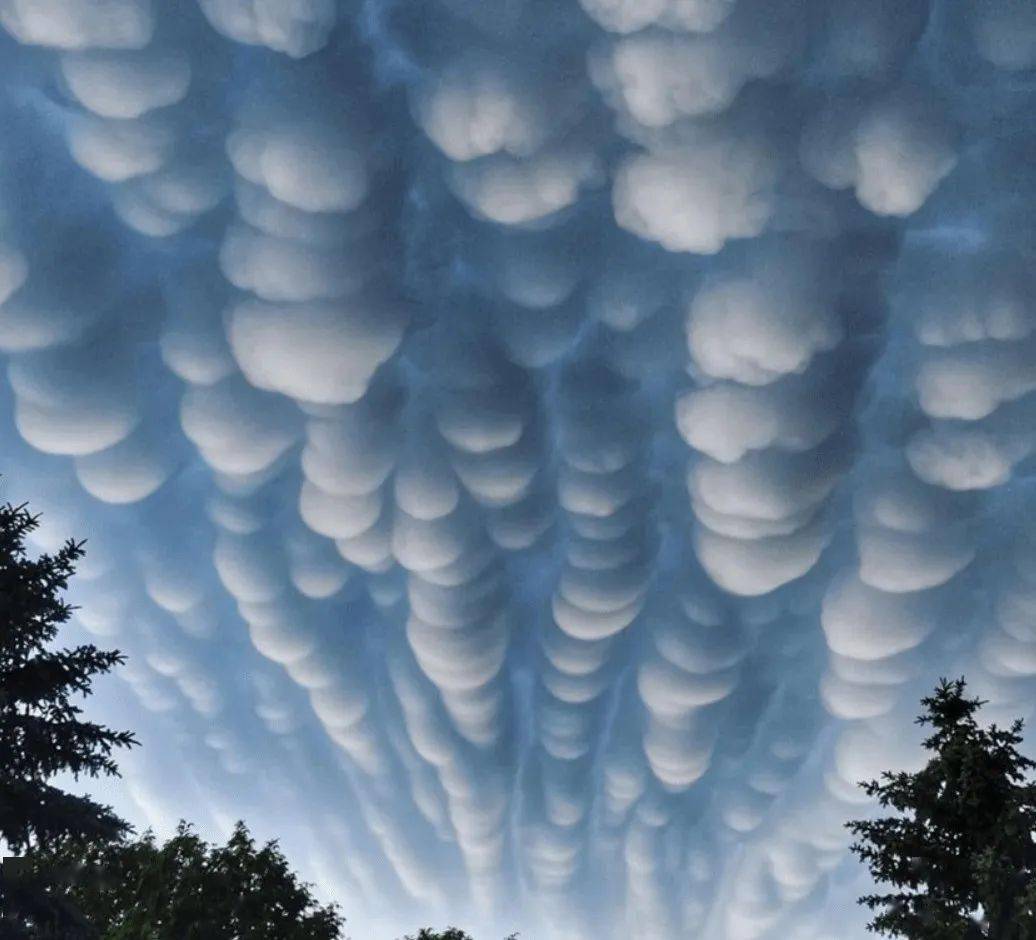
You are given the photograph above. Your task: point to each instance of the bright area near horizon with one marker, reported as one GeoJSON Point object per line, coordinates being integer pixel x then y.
{"type": "Point", "coordinates": [535, 454]}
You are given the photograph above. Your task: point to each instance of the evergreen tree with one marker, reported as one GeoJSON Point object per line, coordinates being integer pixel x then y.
{"type": "Point", "coordinates": [41, 733]}
{"type": "Point", "coordinates": [959, 854]}
{"type": "Point", "coordinates": [187, 890]}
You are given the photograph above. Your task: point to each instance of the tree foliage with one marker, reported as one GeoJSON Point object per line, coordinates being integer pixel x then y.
{"type": "Point", "coordinates": [41, 733]}
{"type": "Point", "coordinates": [188, 890]}
{"type": "Point", "coordinates": [959, 855]}
{"type": "Point", "coordinates": [450, 933]}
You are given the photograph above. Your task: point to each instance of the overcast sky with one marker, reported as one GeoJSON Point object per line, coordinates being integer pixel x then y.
{"type": "Point", "coordinates": [534, 453]}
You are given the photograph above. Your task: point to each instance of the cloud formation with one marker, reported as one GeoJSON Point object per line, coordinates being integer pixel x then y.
{"type": "Point", "coordinates": [534, 454]}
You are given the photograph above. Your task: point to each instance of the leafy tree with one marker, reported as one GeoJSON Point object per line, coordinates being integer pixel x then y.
{"type": "Point", "coordinates": [41, 733]}
{"type": "Point", "coordinates": [960, 854]}
{"type": "Point", "coordinates": [450, 933]}
{"type": "Point", "coordinates": [187, 890]}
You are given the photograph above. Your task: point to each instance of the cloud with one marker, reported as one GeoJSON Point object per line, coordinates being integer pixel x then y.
{"type": "Point", "coordinates": [502, 189]}
{"type": "Point", "coordinates": [301, 350]}
{"type": "Point", "coordinates": [310, 164]}
{"type": "Point", "coordinates": [1003, 34]}
{"type": "Point", "coordinates": [125, 85]}
{"type": "Point", "coordinates": [80, 24]}
{"type": "Point", "coordinates": [894, 152]}
{"type": "Point", "coordinates": [297, 29]}
{"type": "Point", "coordinates": [129, 470]}
{"type": "Point", "coordinates": [727, 420]}
{"type": "Point", "coordinates": [696, 195]}
{"type": "Point", "coordinates": [479, 106]}
{"type": "Point", "coordinates": [739, 328]}
{"type": "Point", "coordinates": [545, 450]}
{"type": "Point", "coordinates": [57, 414]}
{"type": "Point", "coordinates": [14, 270]}
{"type": "Point", "coordinates": [697, 64]}
{"type": "Point", "coordinates": [871, 41]}
{"type": "Point", "coordinates": [232, 428]}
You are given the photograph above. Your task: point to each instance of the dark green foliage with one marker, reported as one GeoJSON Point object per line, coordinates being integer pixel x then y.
{"type": "Point", "coordinates": [188, 890]}
{"type": "Point", "coordinates": [960, 853]}
{"type": "Point", "coordinates": [450, 933]}
{"type": "Point", "coordinates": [41, 733]}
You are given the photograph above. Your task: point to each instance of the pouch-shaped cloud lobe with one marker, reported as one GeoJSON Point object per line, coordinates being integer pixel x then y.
{"type": "Point", "coordinates": [535, 454]}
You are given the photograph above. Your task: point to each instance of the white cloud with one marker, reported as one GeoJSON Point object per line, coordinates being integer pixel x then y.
{"type": "Point", "coordinates": [697, 196]}
{"type": "Point", "coordinates": [116, 151]}
{"type": "Point", "coordinates": [865, 623]}
{"type": "Point", "coordinates": [895, 151]}
{"type": "Point", "coordinates": [297, 28]}
{"type": "Point", "coordinates": [126, 84]}
{"type": "Point", "coordinates": [317, 352]}
{"type": "Point", "coordinates": [237, 429]}
{"type": "Point", "coordinates": [306, 163]}
{"type": "Point", "coordinates": [503, 189]}
{"type": "Point", "coordinates": [478, 106]}
{"type": "Point", "coordinates": [80, 24]}
{"type": "Point", "coordinates": [628, 16]}
{"type": "Point", "coordinates": [772, 323]}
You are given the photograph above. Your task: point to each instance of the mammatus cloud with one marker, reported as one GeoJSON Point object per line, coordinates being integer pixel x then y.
{"type": "Point", "coordinates": [534, 454]}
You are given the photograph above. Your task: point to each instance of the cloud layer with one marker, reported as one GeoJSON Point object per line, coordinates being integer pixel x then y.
{"type": "Point", "coordinates": [535, 454]}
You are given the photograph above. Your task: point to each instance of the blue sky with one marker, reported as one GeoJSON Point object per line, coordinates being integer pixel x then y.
{"type": "Point", "coordinates": [534, 453]}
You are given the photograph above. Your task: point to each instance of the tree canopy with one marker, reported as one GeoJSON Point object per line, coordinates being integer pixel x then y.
{"type": "Point", "coordinates": [450, 933]}
{"type": "Point", "coordinates": [41, 732]}
{"type": "Point", "coordinates": [186, 889]}
{"type": "Point", "coordinates": [958, 857]}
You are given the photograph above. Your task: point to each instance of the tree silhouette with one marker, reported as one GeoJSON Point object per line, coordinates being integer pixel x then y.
{"type": "Point", "coordinates": [450, 933]}
{"type": "Point", "coordinates": [41, 733]}
{"type": "Point", "coordinates": [960, 853]}
{"type": "Point", "coordinates": [187, 890]}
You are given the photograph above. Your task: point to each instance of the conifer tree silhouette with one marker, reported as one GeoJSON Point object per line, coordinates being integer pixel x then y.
{"type": "Point", "coordinates": [959, 854]}
{"type": "Point", "coordinates": [41, 731]}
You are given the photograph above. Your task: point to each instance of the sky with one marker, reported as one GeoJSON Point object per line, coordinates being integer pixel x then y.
{"type": "Point", "coordinates": [535, 454]}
